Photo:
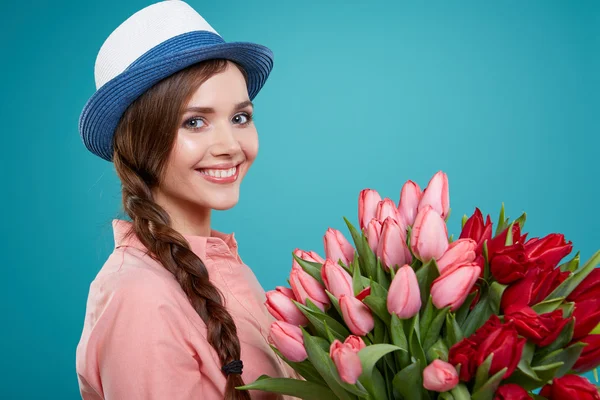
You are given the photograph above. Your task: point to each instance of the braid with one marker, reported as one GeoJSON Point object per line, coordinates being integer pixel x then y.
{"type": "Point", "coordinates": [152, 225]}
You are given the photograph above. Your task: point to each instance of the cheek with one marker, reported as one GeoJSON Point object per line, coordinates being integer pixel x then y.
{"type": "Point", "coordinates": [249, 143]}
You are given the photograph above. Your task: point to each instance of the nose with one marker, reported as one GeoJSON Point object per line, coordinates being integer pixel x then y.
{"type": "Point", "coordinates": [225, 143]}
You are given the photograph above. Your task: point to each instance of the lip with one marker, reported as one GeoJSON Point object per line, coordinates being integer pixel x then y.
{"type": "Point", "coordinates": [229, 179]}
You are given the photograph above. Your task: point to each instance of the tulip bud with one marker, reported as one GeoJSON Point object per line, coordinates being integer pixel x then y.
{"type": "Point", "coordinates": [440, 376]}
{"type": "Point", "coordinates": [355, 342]}
{"type": "Point", "coordinates": [392, 248]}
{"type": "Point", "coordinates": [337, 247]}
{"type": "Point", "coordinates": [461, 251]}
{"type": "Point", "coordinates": [279, 304]}
{"type": "Point", "coordinates": [310, 256]}
{"type": "Point", "coordinates": [367, 206]}
{"type": "Point", "coordinates": [404, 297]}
{"type": "Point", "coordinates": [511, 391]}
{"type": "Point", "coordinates": [475, 229]}
{"type": "Point", "coordinates": [336, 279]}
{"type": "Point", "coordinates": [429, 237]}
{"type": "Point", "coordinates": [410, 196]}
{"type": "Point", "coordinates": [570, 387]}
{"type": "Point", "coordinates": [346, 360]}
{"type": "Point", "coordinates": [387, 208]}
{"type": "Point", "coordinates": [454, 285]}
{"type": "Point", "coordinates": [374, 234]}
{"type": "Point", "coordinates": [436, 195]}
{"type": "Point", "coordinates": [287, 338]}
{"type": "Point", "coordinates": [305, 286]}
{"type": "Point", "coordinates": [590, 356]}
{"type": "Point", "coordinates": [356, 315]}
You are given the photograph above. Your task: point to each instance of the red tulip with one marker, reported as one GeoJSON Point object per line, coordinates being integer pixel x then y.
{"type": "Point", "coordinates": [570, 387]}
{"type": "Point", "coordinates": [287, 338]}
{"type": "Point", "coordinates": [336, 279]}
{"type": "Point", "coordinates": [590, 356]}
{"type": "Point", "coordinates": [440, 376]}
{"type": "Point", "coordinates": [305, 286]}
{"type": "Point", "coordinates": [533, 288]}
{"type": "Point", "coordinates": [588, 289]}
{"type": "Point", "coordinates": [511, 391]}
{"type": "Point", "coordinates": [436, 195]}
{"type": "Point", "coordinates": [357, 315]}
{"type": "Point", "coordinates": [499, 241]}
{"type": "Point", "coordinates": [547, 252]}
{"type": "Point", "coordinates": [374, 234]}
{"type": "Point", "coordinates": [367, 206]}
{"type": "Point", "coordinates": [509, 264]}
{"type": "Point", "coordinates": [345, 357]}
{"type": "Point", "coordinates": [410, 196]}
{"type": "Point", "coordinates": [337, 247]}
{"type": "Point", "coordinates": [404, 297]}
{"type": "Point", "coordinates": [454, 285]}
{"type": "Point", "coordinates": [307, 256]}
{"type": "Point", "coordinates": [587, 317]}
{"type": "Point", "coordinates": [280, 305]}
{"type": "Point", "coordinates": [475, 229]}
{"type": "Point", "coordinates": [507, 347]}
{"type": "Point", "coordinates": [540, 329]}
{"type": "Point", "coordinates": [429, 237]}
{"type": "Point", "coordinates": [387, 208]}
{"type": "Point", "coordinates": [461, 251]}
{"type": "Point", "coordinates": [364, 293]}
{"type": "Point", "coordinates": [392, 248]}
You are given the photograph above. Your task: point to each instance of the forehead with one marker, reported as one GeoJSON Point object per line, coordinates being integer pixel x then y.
{"type": "Point", "coordinates": [224, 89]}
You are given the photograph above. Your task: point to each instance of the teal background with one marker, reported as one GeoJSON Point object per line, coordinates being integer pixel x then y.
{"type": "Point", "coordinates": [504, 96]}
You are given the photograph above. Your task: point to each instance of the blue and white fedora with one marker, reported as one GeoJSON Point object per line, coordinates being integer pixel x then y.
{"type": "Point", "coordinates": [150, 45]}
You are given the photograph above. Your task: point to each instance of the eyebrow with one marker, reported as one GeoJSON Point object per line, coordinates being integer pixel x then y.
{"type": "Point", "coordinates": [210, 110]}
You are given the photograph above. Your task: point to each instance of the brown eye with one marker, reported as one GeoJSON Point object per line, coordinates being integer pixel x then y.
{"type": "Point", "coordinates": [242, 119]}
{"type": "Point", "coordinates": [194, 123]}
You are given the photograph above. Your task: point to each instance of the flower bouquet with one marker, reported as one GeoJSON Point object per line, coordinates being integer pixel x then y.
{"type": "Point", "coordinates": [407, 312]}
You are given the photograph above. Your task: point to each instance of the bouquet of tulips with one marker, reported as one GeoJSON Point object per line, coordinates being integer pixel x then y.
{"type": "Point", "coordinates": [407, 312]}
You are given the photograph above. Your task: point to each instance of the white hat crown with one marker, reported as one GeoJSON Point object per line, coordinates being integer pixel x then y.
{"type": "Point", "coordinates": [141, 32]}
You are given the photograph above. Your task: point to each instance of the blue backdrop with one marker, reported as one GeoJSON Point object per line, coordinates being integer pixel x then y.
{"type": "Point", "coordinates": [503, 96]}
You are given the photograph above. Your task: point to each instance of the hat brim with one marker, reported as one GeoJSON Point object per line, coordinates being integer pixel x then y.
{"type": "Point", "coordinates": [104, 109]}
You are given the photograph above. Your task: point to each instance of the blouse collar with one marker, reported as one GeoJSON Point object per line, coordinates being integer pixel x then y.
{"type": "Point", "coordinates": [217, 244]}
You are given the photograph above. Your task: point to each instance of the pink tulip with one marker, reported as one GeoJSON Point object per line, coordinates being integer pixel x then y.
{"type": "Point", "coordinates": [287, 338]}
{"type": "Point", "coordinates": [307, 256]}
{"type": "Point", "coordinates": [345, 357]}
{"type": "Point", "coordinates": [436, 194]}
{"type": "Point", "coordinates": [392, 248]}
{"type": "Point", "coordinates": [440, 376]}
{"type": "Point", "coordinates": [461, 251]}
{"type": "Point", "coordinates": [367, 206]}
{"type": "Point", "coordinates": [337, 247]}
{"type": "Point", "coordinates": [410, 196]}
{"type": "Point", "coordinates": [404, 296]}
{"type": "Point", "coordinates": [429, 237]}
{"type": "Point", "coordinates": [305, 286]}
{"type": "Point", "coordinates": [373, 233]}
{"type": "Point", "coordinates": [387, 208]}
{"type": "Point", "coordinates": [279, 304]}
{"type": "Point", "coordinates": [357, 315]}
{"type": "Point", "coordinates": [454, 285]}
{"type": "Point", "coordinates": [336, 279]}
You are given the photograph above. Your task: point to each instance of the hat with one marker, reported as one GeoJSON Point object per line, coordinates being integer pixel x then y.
{"type": "Point", "coordinates": [150, 45]}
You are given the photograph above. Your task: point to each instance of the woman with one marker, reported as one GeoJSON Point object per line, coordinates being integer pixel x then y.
{"type": "Point", "coordinates": [174, 313]}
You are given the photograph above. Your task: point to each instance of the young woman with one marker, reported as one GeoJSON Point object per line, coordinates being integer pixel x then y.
{"type": "Point", "coordinates": [174, 313]}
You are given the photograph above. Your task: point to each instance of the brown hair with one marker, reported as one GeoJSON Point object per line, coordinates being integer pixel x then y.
{"type": "Point", "coordinates": [142, 143]}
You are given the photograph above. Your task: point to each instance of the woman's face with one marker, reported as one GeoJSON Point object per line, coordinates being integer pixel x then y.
{"type": "Point", "coordinates": [215, 146]}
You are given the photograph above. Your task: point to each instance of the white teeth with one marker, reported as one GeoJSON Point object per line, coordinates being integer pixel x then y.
{"type": "Point", "coordinates": [219, 173]}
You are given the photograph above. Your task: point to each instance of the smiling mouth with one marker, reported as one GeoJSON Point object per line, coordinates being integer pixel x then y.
{"type": "Point", "coordinates": [220, 175]}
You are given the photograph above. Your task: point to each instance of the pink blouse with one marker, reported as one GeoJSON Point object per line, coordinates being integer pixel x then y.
{"type": "Point", "coordinates": [142, 339]}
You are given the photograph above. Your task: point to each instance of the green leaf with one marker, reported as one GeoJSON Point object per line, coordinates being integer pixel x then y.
{"type": "Point", "coordinates": [521, 220]}
{"type": "Point", "coordinates": [378, 306]}
{"type": "Point", "coordinates": [399, 339]}
{"type": "Point", "coordinates": [425, 276]}
{"type": "Point", "coordinates": [293, 387]}
{"type": "Point", "coordinates": [524, 364]}
{"type": "Point", "coordinates": [561, 341]}
{"type": "Point", "coordinates": [567, 309]}
{"type": "Point", "coordinates": [312, 268]}
{"type": "Point", "coordinates": [433, 333]}
{"type": "Point", "coordinates": [325, 366]}
{"type": "Point", "coordinates": [377, 289]}
{"type": "Point", "coordinates": [334, 301]}
{"type": "Point", "coordinates": [568, 356]}
{"type": "Point", "coordinates": [502, 222]}
{"type": "Point", "coordinates": [409, 381]}
{"type": "Point", "coordinates": [496, 291]}
{"type": "Point", "coordinates": [487, 273]}
{"type": "Point", "coordinates": [509, 235]}
{"type": "Point", "coordinates": [368, 358]}
{"type": "Point", "coordinates": [453, 331]}
{"type": "Point", "coordinates": [357, 283]}
{"type": "Point", "coordinates": [482, 374]}
{"type": "Point", "coordinates": [463, 311]}
{"type": "Point", "coordinates": [414, 342]}
{"type": "Point", "coordinates": [463, 222]}
{"type": "Point", "coordinates": [426, 316]}
{"type": "Point", "coordinates": [304, 368]}
{"type": "Point", "coordinates": [382, 277]}
{"type": "Point", "coordinates": [460, 392]}
{"type": "Point", "coordinates": [487, 390]}
{"type": "Point", "coordinates": [438, 350]}
{"type": "Point", "coordinates": [318, 319]}
{"type": "Point", "coordinates": [547, 372]}
{"type": "Point", "coordinates": [569, 284]}
{"type": "Point", "coordinates": [571, 265]}
{"type": "Point", "coordinates": [548, 306]}
{"type": "Point", "coordinates": [446, 396]}
{"type": "Point", "coordinates": [366, 256]}
{"type": "Point", "coordinates": [488, 304]}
